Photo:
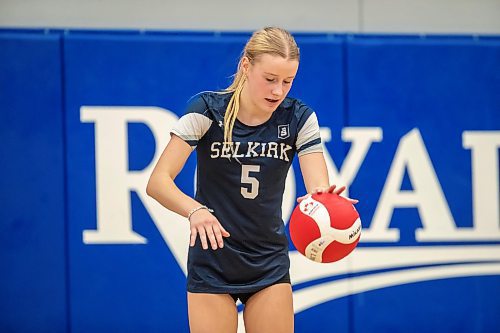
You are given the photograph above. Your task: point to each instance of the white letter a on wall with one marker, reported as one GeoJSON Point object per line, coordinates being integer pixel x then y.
{"type": "Point", "coordinates": [427, 195]}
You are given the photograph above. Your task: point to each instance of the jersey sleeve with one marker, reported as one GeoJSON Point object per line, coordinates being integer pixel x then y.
{"type": "Point", "coordinates": [308, 137]}
{"type": "Point", "coordinates": [193, 125]}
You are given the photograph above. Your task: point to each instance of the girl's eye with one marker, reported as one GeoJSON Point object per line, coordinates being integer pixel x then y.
{"type": "Point", "coordinates": [272, 80]}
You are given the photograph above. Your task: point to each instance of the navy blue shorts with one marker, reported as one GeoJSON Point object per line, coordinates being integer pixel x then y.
{"type": "Point", "coordinates": [244, 297]}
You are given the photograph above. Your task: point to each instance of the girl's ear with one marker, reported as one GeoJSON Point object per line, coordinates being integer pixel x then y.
{"type": "Point", "coordinates": [245, 65]}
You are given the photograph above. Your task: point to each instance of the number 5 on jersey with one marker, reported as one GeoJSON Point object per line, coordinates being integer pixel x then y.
{"type": "Point", "coordinates": [252, 181]}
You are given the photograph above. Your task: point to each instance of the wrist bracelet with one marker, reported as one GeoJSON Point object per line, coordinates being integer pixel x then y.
{"type": "Point", "coordinates": [192, 211]}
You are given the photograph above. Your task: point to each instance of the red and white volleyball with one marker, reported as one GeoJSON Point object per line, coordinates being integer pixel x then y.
{"type": "Point", "coordinates": [325, 227]}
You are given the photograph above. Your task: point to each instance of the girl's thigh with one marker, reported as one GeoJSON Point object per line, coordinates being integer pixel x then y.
{"type": "Point", "coordinates": [210, 313]}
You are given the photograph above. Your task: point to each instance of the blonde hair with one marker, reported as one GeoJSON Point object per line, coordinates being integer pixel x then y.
{"type": "Point", "coordinates": [270, 40]}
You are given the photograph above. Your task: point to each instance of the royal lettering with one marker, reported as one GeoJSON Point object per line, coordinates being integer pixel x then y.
{"type": "Point", "coordinates": [114, 181]}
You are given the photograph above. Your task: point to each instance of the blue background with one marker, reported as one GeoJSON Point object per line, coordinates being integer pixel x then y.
{"type": "Point", "coordinates": [52, 282]}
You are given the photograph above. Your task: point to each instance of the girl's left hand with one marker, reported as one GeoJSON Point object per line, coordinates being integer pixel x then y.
{"type": "Point", "coordinates": [330, 189]}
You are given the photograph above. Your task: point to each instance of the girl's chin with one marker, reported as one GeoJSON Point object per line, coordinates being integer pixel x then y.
{"type": "Point", "coordinates": [269, 108]}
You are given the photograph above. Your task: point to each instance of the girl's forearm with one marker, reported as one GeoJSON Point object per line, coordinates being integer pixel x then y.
{"type": "Point", "coordinates": [163, 189]}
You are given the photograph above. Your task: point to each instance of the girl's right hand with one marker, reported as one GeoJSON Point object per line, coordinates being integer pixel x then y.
{"type": "Point", "coordinates": [205, 225]}
{"type": "Point", "coordinates": [330, 189]}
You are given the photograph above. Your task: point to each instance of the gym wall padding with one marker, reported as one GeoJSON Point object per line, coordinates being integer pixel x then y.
{"type": "Point", "coordinates": [33, 238]}
{"type": "Point", "coordinates": [76, 104]}
{"type": "Point", "coordinates": [442, 87]}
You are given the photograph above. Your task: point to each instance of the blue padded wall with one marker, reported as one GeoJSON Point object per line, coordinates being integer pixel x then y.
{"type": "Point", "coordinates": [442, 87]}
{"type": "Point", "coordinates": [32, 218]}
{"type": "Point", "coordinates": [428, 88]}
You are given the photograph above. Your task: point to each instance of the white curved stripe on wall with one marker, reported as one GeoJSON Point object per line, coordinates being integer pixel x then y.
{"type": "Point", "coordinates": [312, 296]}
{"type": "Point", "coordinates": [365, 259]}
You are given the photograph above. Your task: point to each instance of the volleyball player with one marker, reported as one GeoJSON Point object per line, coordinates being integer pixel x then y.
{"type": "Point", "coordinates": [246, 138]}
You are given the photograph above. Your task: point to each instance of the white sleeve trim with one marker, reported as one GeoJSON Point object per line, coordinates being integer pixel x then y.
{"type": "Point", "coordinates": [192, 126]}
{"type": "Point", "coordinates": [308, 132]}
{"type": "Point", "coordinates": [313, 149]}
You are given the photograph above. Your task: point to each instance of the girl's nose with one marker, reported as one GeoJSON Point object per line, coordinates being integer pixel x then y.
{"type": "Point", "coordinates": [277, 90]}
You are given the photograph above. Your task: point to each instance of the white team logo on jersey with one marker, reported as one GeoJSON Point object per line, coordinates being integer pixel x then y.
{"type": "Point", "coordinates": [283, 131]}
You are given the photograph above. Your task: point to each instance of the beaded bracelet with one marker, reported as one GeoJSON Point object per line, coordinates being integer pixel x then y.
{"type": "Point", "coordinates": [192, 211]}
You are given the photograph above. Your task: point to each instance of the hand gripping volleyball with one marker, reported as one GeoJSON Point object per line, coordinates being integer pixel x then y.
{"type": "Point", "coordinates": [325, 227]}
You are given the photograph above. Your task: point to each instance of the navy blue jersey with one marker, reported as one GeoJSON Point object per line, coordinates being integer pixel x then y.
{"type": "Point", "coordinates": [243, 182]}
